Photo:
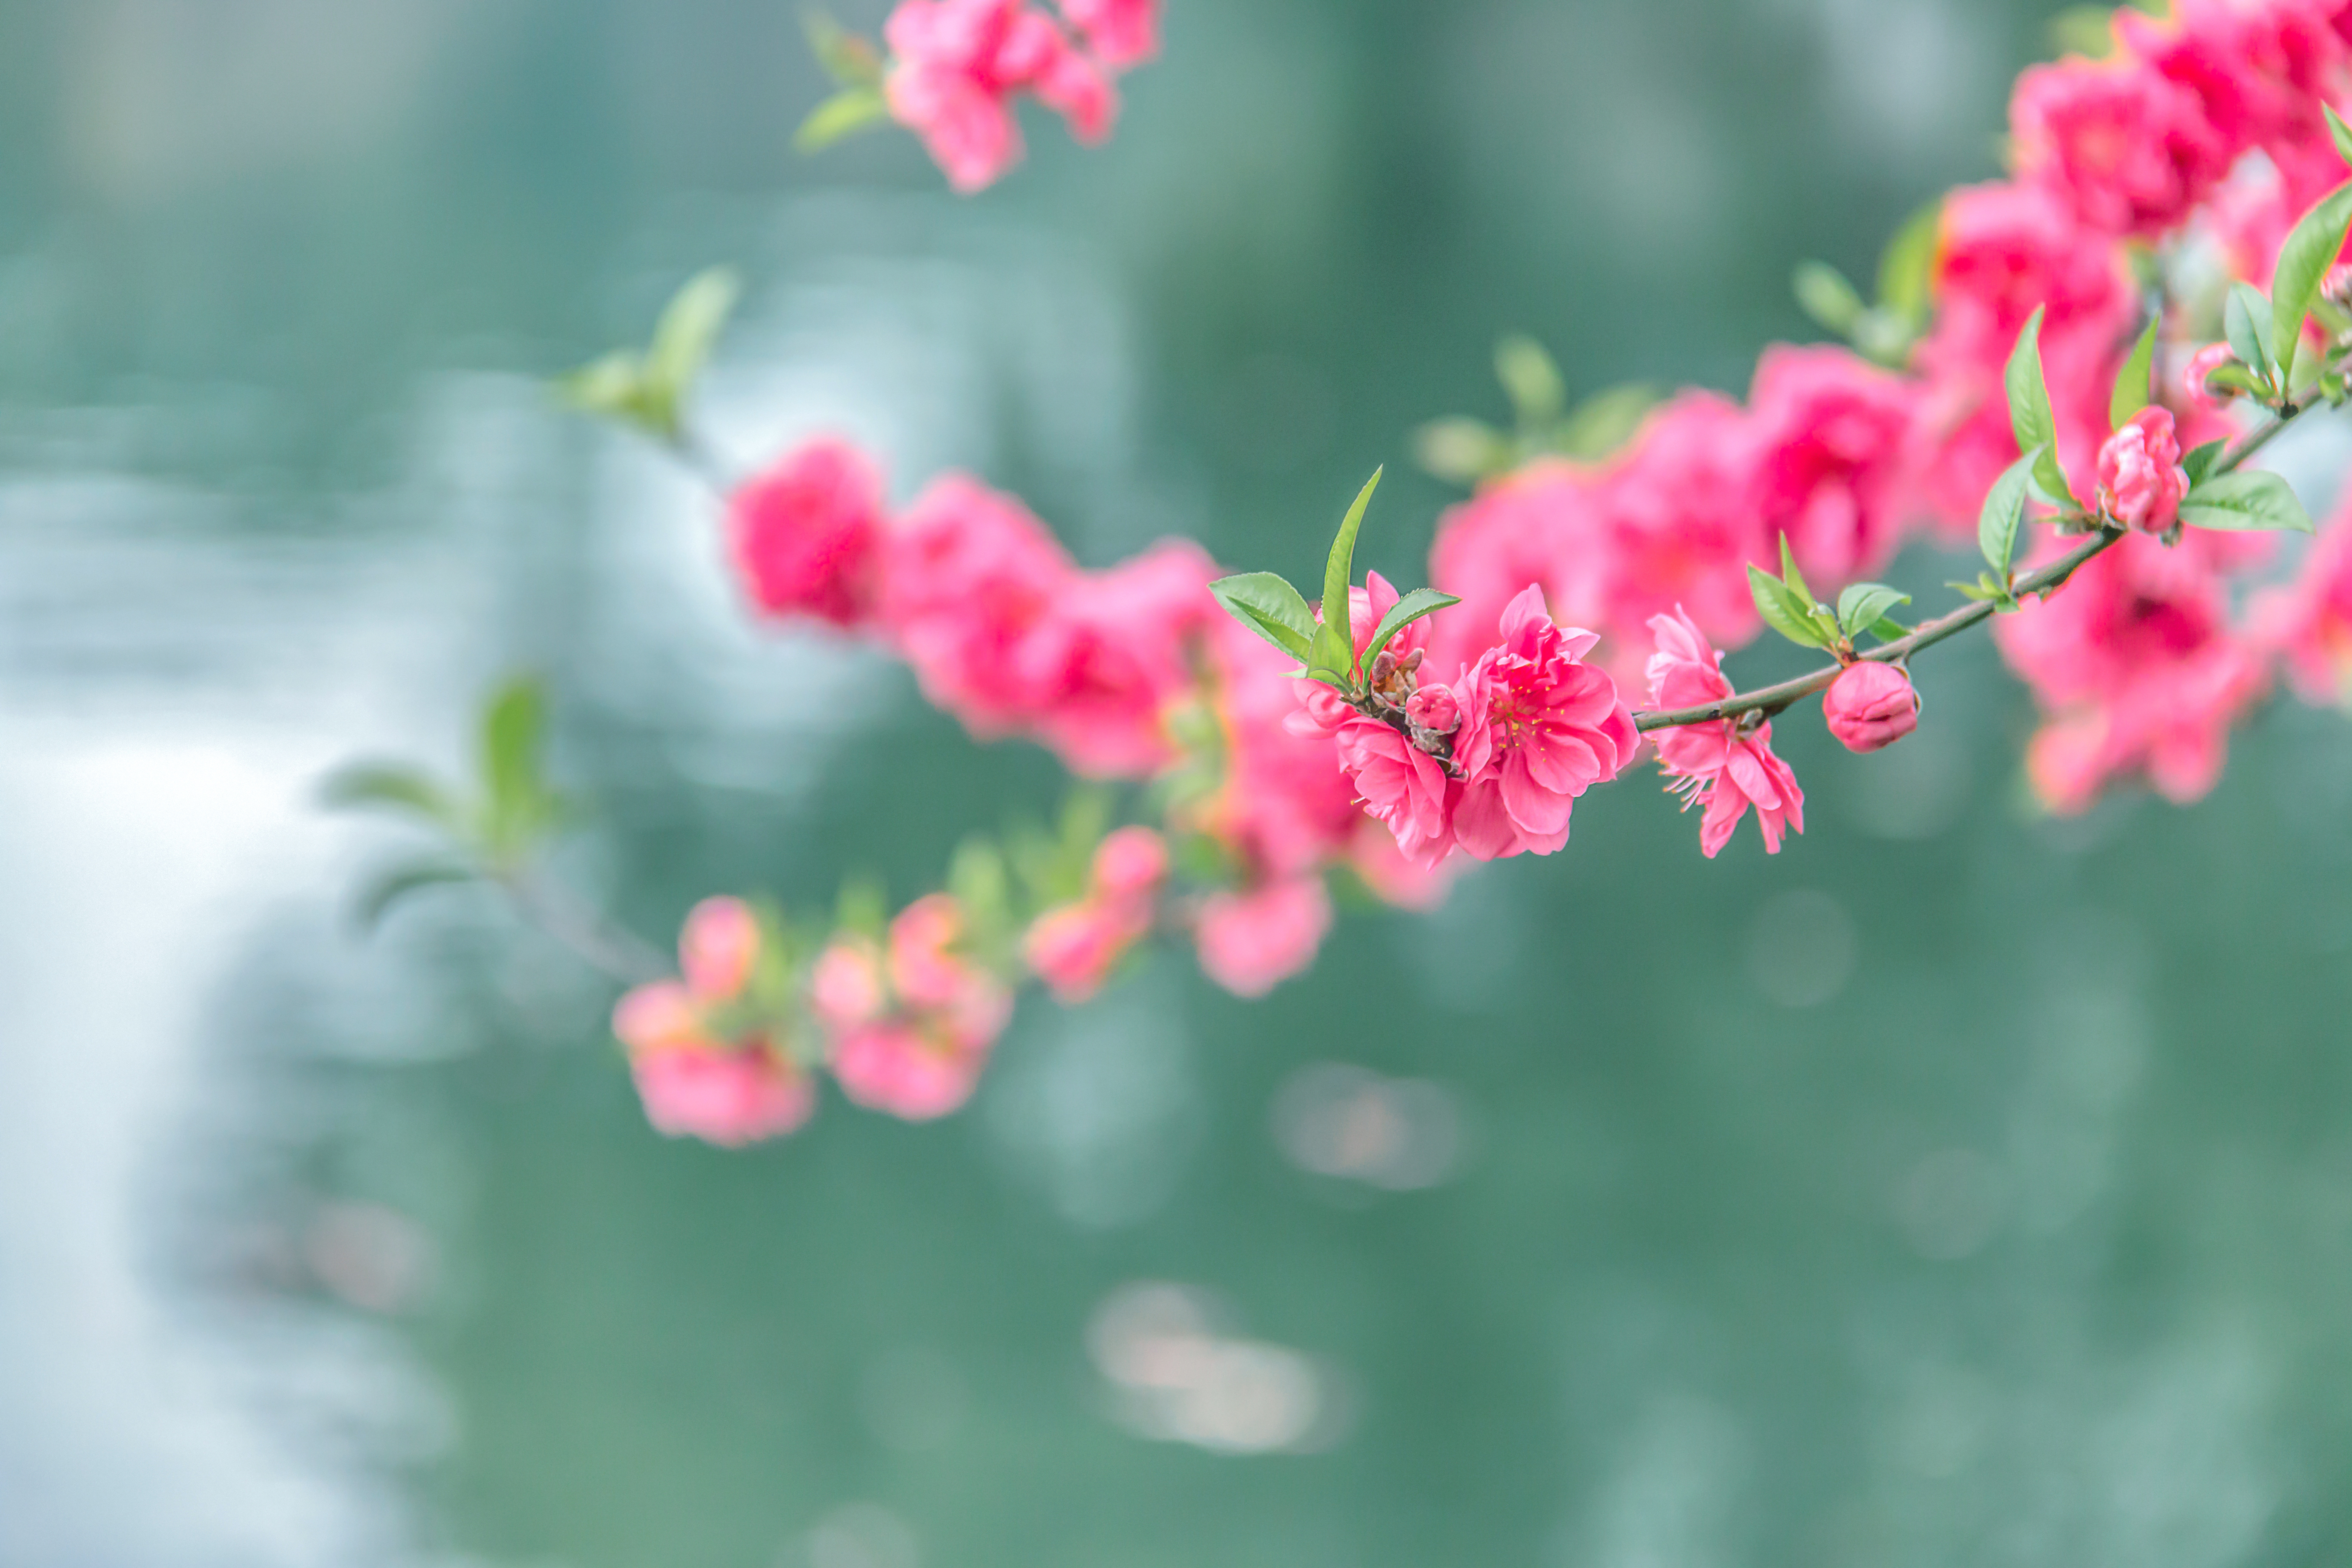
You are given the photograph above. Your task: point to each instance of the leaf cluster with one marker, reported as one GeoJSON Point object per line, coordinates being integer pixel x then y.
{"type": "Point", "coordinates": [647, 390]}
{"type": "Point", "coordinates": [1468, 451]}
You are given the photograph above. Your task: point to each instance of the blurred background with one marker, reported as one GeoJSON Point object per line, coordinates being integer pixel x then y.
{"type": "Point", "coordinates": [1956, 1187]}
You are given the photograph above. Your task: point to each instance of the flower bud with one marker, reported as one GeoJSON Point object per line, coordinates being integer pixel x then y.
{"type": "Point", "coordinates": [719, 947]}
{"type": "Point", "coordinates": [1433, 708]}
{"type": "Point", "coordinates": [2202, 363]}
{"type": "Point", "coordinates": [1870, 705]}
{"type": "Point", "coordinates": [2141, 481]}
{"type": "Point", "coordinates": [1129, 865]}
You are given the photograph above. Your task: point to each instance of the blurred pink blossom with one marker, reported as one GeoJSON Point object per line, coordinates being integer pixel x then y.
{"type": "Point", "coordinates": [805, 533]}
{"type": "Point", "coordinates": [1251, 941]}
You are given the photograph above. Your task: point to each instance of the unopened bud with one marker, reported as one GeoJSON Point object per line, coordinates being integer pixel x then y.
{"type": "Point", "coordinates": [1435, 710]}
{"type": "Point", "coordinates": [1871, 705]}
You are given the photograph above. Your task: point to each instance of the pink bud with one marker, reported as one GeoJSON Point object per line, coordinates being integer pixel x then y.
{"type": "Point", "coordinates": [1871, 705]}
{"type": "Point", "coordinates": [1434, 708]}
{"type": "Point", "coordinates": [1130, 865]}
{"type": "Point", "coordinates": [2202, 363]}
{"type": "Point", "coordinates": [2141, 481]}
{"type": "Point", "coordinates": [718, 948]}
{"type": "Point", "coordinates": [845, 985]}
{"type": "Point", "coordinates": [659, 1016]}
{"type": "Point", "coordinates": [1073, 949]}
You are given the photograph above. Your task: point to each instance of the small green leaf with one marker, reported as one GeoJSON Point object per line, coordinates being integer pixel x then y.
{"type": "Point", "coordinates": [1603, 421]}
{"type": "Point", "coordinates": [690, 325]}
{"type": "Point", "coordinates": [1531, 381]}
{"type": "Point", "coordinates": [392, 887]}
{"type": "Point", "coordinates": [2247, 498]}
{"type": "Point", "coordinates": [611, 387]}
{"type": "Point", "coordinates": [1408, 609]}
{"type": "Point", "coordinates": [1823, 294]}
{"type": "Point", "coordinates": [845, 113]}
{"type": "Point", "coordinates": [391, 786]}
{"type": "Point", "coordinates": [2133, 382]}
{"type": "Point", "coordinates": [1782, 610]}
{"type": "Point", "coordinates": [1886, 629]}
{"type": "Point", "coordinates": [2339, 130]}
{"type": "Point", "coordinates": [2246, 322]}
{"type": "Point", "coordinates": [2084, 30]}
{"type": "Point", "coordinates": [1334, 648]}
{"type": "Point", "coordinates": [2004, 509]}
{"type": "Point", "coordinates": [848, 58]}
{"type": "Point", "coordinates": [2311, 248]}
{"type": "Point", "coordinates": [1794, 578]}
{"type": "Point", "coordinates": [1863, 604]}
{"type": "Point", "coordinates": [2201, 459]}
{"type": "Point", "coordinates": [2030, 417]}
{"type": "Point", "coordinates": [1976, 591]}
{"type": "Point", "coordinates": [1906, 269]}
{"type": "Point", "coordinates": [518, 806]}
{"type": "Point", "coordinates": [1268, 604]}
{"type": "Point", "coordinates": [1460, 451]}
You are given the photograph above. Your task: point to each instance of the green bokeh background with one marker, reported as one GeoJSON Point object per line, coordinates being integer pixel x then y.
{"type": "Point", "coordinates": [1958, 1186]}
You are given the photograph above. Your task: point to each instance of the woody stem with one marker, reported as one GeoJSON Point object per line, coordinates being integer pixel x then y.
{"type": "Point", "coordinates": [1771, 699]}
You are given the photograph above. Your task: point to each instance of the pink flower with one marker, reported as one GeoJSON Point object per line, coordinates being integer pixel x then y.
{"type": "Point", "coordinates": [930, 973]}
{"type": "Point", "coordinates": [1538, 729]}
{"type": "Point", "coordinates": [970, 575]}
{"type": "Point", "coordinates": [1122, 34]}
{"type": "Point", "coordinates": [847, 986]}
{"type": "Point", "coordinates": [659, 1016]}
{"type": "Point", "coordinates": [1831, 431]}
{"type": "Point", "coordinates": [1109, 653]}
{"type": "Point", "coordinates": [2307, 623]}
{"type": "Point", "coordinates": [804, 533]}
{"type": "Point", "coordinates": [727, 1098]}
{"type": "Point", "coordinates": [1722, 765]}
{"type": "Point", "coordinates": [2137, 667]}
{"type": "Point", "coordinates": [1073, 947]}
{"type": "Point", "coordinates": [719, 947]}
{"type": "Point", "coordinates": [1871, 704]}
{"type": "Point", "coordinates": [1130, 865]}
{"type": "Point", "coordinates": [1400, 785]}
{"type": "Point", "coordinates": [2201, 364]}
{"type": "Point", "coordinates": [1549, 524]}
{"type": "Point", "coordinates": [1433, 708]}
{"type": "Point", "coordinates": [955, 67]}
{"type": "Point", "coordinates": [1276, 804]}
{"type": "Point", "coordinates": [905, 1069]}
{"type": "Point", "coordinates": [1251, 942]}
{"type": "Point", "coordinates": [2132, 150]}
{"type": "Point", "coordinates": [2141, 481]}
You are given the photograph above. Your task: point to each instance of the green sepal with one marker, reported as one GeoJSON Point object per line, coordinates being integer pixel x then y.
{"type": "Point", "coordinates": [1782, 610]}
{"type": "Point", "coordinates": [1334, 648]}
{"type": "Point", "coordinates": [2004, 510]}
{"type": "Point", "coordinates": [2311, 248]}
{"type": "Point", "coordinates": [2134, 382]}
{"type": "Point", "coordinates": [1268, 604]}
{"type": "Point", "coordinates": [1408, 609]}
{"type": "Point", "coordinates": [1863, 604]}
{"type": "Point", "coordinates": [2245, 500]}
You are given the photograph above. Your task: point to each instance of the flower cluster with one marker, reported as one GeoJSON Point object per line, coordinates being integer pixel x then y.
{"type": "Point", "coordinates": [1073, 947]}
{"type": "Point", "coordinates": [957, 67]}
{"type": "Point", "coordinates": [908, 1020]}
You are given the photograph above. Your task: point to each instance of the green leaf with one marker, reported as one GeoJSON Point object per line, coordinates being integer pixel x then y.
{"type": "Point", "coordinates": [611, 387]}
{"type": "Point", "coordinates": [1823, 294]}
{"type": "Point", "coordinates": [1782, 611]}
{"type": "Point", "coordinates": [2201, 459]}
{"type": "Point", "coordinates": [2246, 322]}
{"type": "Point", "coordinates": [1268, 604]}
{"type": "Point", "coordinates": [1906, 269]}
{"type": "Point", "coordinates": [2247, 498]}
{"type": "Point", "coordinates": [1603, 421]}
{"type": "Point", "coordinates": [2029, 412]}
{"type": "Point", "coordinates": [1976, 591]}
{"type": "Point", "coordinates": [690, 325]}
{"type": "Point", "coordinates": [2133, 382]}
{"type": "Point", "coordinates": [392, 887]}
{"type": "Point", "coordinates": [2342, 132]}
{"type": "Point", "coordinates": [1531, 381]}
{"type": "Point", "coordinates": [2084, 30]}
{"type": "Point", "coordinates": [1794, 578]}
{"type": "Point", "coordinates": [845, 113]}
{"type": "Point", "coordinates": [2312, 248]}
{"type": "Point", "coordinates": [1460, 451]}
{"type": "Point", "coordinates": [1408, 609]}
{"type": "Point", "coordinates": [391, 786]}
{"type": "Point", "coordinates": [1886, 629]}
{"type": "Point", "coordinates": [2004, 508]}
{"type": "Point", "coordinates": [518, 806]}
{"type": "Point", "coordinates": [1334, 648]}
{"type": "Point", "coordinates": [1863, 604]}
{"type": "Point", "coordinates": [848, 58]}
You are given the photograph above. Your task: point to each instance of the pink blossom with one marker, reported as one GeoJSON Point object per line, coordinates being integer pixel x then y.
{"type": "Point", "coordinates": [847, 986]}
{"type": "Point", "coordinates": [1278, 808]}
{"type": "Point", "coordinates": [1538, 729]}
{"type": "Point", "coordinates": [1110, 652]}
{"type": "Point", "coordinates": [1723, 765]}
{"type": "Point", "coordinates": [2132, 150]}
{"type": "Point", "coordinates": [1251, 942]}
{"type": "Point", "coordinates": [2136, 666]}
{"type": "Point", "coordinates": [2141, 481]}
{"type": "Point", "coordinates": [805, 533]}
{"type": "Point", "coordinates": [970, 575]}
{"type": "Point", "coordinates": [1122, 34]}
{"type": "Point", "coordinates": [660, 1016]}
{"type": "Point", "coordinates": [1682, 527]}
{"type": "Point", "coordinates": [719, 947]}
{"type": "Point", "coordinates": [1130, 865]}
{"type": "Point", "coordinates": [2201, 364]}
{"type": "Point", "coordinates": [1547, 523]}
{"type": "Point", "coordinates": [2307, 623]}
{"type": "Point", "coordinates": [905, 1069]}
{"type": "Point", "coordinates": [1831, 431]}
{"type": "Point", "coordinates": [955, 67]}
{"type": "Point", "coordinates": [1400, 785]}
{"type": "Point", "coordinates": [1871, 705]}
{"type": "Point", "coordinates": [930, 973]}
{"type": "Point", "coordinates": [727, 1098]}
{"type": "Point", "coordinates": [1073, 947]}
